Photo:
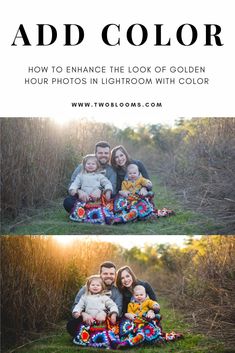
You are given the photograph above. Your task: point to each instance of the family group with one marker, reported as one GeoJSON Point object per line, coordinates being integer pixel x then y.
{"type": "Point", "coordinates": [116, 310]}
{"type": "Point", "coordinates": [110, 187]}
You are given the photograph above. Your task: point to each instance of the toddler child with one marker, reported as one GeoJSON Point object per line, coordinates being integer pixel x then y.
{"type": "Point", "coordinates": [95, 303]}
{"type": "Point", "coordinates": [140, 305]}
{"type": "Point", "coordinates": [133, 203]}
{"type": "Point", "coordinates": [90, 181]}
{"type": "Point", "coordinates": [133, 182]}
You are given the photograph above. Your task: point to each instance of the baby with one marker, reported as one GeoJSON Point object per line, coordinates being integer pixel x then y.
{"type": "Point", "coordinates": [133, 182]}
{"type": "Point", "coordinates": [141, 304]}
{"type": "Point", "coordinates": [95, 303]}
{"type": "Point", "coordinates": [90, 182]}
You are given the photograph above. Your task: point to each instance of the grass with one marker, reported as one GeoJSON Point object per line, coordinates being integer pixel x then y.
{"type": "Point", "coordinates": [60, 342]}
{"type": "Point", "coordinates": [53, 220]}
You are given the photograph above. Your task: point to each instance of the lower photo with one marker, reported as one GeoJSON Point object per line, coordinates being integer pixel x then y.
{"type": "Point", "coordinates": [92, 293]}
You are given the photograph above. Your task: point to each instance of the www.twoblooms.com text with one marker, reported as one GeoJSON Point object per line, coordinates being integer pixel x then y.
{"type": "Point", "coordinates": [116, 104]}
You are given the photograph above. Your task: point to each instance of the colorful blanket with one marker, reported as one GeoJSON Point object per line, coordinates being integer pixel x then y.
{"type": "Point", "coordinates": [92, 212]}
{"type": "Point", "coordinates": [125, 334]}
{"type": "Point", "coordinates": [132, 208]}
{"type": "Point", "coordinates": [118, 210]}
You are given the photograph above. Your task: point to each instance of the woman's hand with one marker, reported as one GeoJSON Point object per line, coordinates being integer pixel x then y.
{"type": "Point", "coordinates": [149, 184]}
{"type": "Point", "coordinates": [124, 193]}
{"type": "Point", "coordinates": [150, 314]}
{"type": "Point", "coordinates": [143, 191]}
{"type": "Point", "coordinates": [130, 316]}
{"type": "Point", "coordinates": [156, 307]}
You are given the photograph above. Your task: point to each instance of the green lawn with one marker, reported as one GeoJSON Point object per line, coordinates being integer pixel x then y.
{"type": "Point", "coordinates": [60, 342]}
{"type": "Point", "coordinates": [53, 220]}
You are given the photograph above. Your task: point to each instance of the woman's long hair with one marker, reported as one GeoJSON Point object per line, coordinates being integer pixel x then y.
{"type": "Point", "coordinates": [113, 155]}
{"type": "Point", "coordinates": [119, 277]}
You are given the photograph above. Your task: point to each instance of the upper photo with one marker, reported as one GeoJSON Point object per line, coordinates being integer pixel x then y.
{"type": "Point", "coordinates": [85, 176]}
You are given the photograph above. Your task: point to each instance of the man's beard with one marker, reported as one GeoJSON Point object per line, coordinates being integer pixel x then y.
{"type": "Point", "coordinates": [103, 161]}
{"type": "Point", "coordinates": [109, 284]}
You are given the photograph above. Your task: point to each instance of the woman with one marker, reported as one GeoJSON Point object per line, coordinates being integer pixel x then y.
{"type": "Point", "coordinates": [135, 208]}
{"type": "Point", "coordinates": [139, 330]}
{"type": "Point", "coordinates": [134, 332]}
{"type": "Point", "coordinates": [126, 281]}
{"type": "Point", "coordinates": [119, 161]}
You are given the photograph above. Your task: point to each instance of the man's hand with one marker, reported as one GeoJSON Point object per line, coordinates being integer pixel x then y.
{"type": "Point", "coordinates": [150, 314]}
{"type": "Point", "coordinates": [108, 195]}
{"type": "Point", "coordinates": [113, 318]}
{"type": "Point", "coordinates": [72, 192]}
{"type": "Point", "coordinates": [95, 195]}
{"type": "Point", "coordinates": [76, 314]}
{"type": "Point", "coordinates": [101, 316]}
{"type": "Point", "coordinates": [88, 319]}
{"type": "Point", "coordinates": [82, 195]}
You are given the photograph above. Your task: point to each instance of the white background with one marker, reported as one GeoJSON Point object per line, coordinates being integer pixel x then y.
{"type": "Point", "coordinates": [213, 100]}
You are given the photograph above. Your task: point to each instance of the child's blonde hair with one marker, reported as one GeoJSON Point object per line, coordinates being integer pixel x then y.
{"type": "Point", "coordinates": [132, 165]}
{"type": "Point", "coordinates": [86, 158]}
{"type": "Point", "coordinates": [90, 279]}
{"type": "Point", "coordinates": [139, 286]}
